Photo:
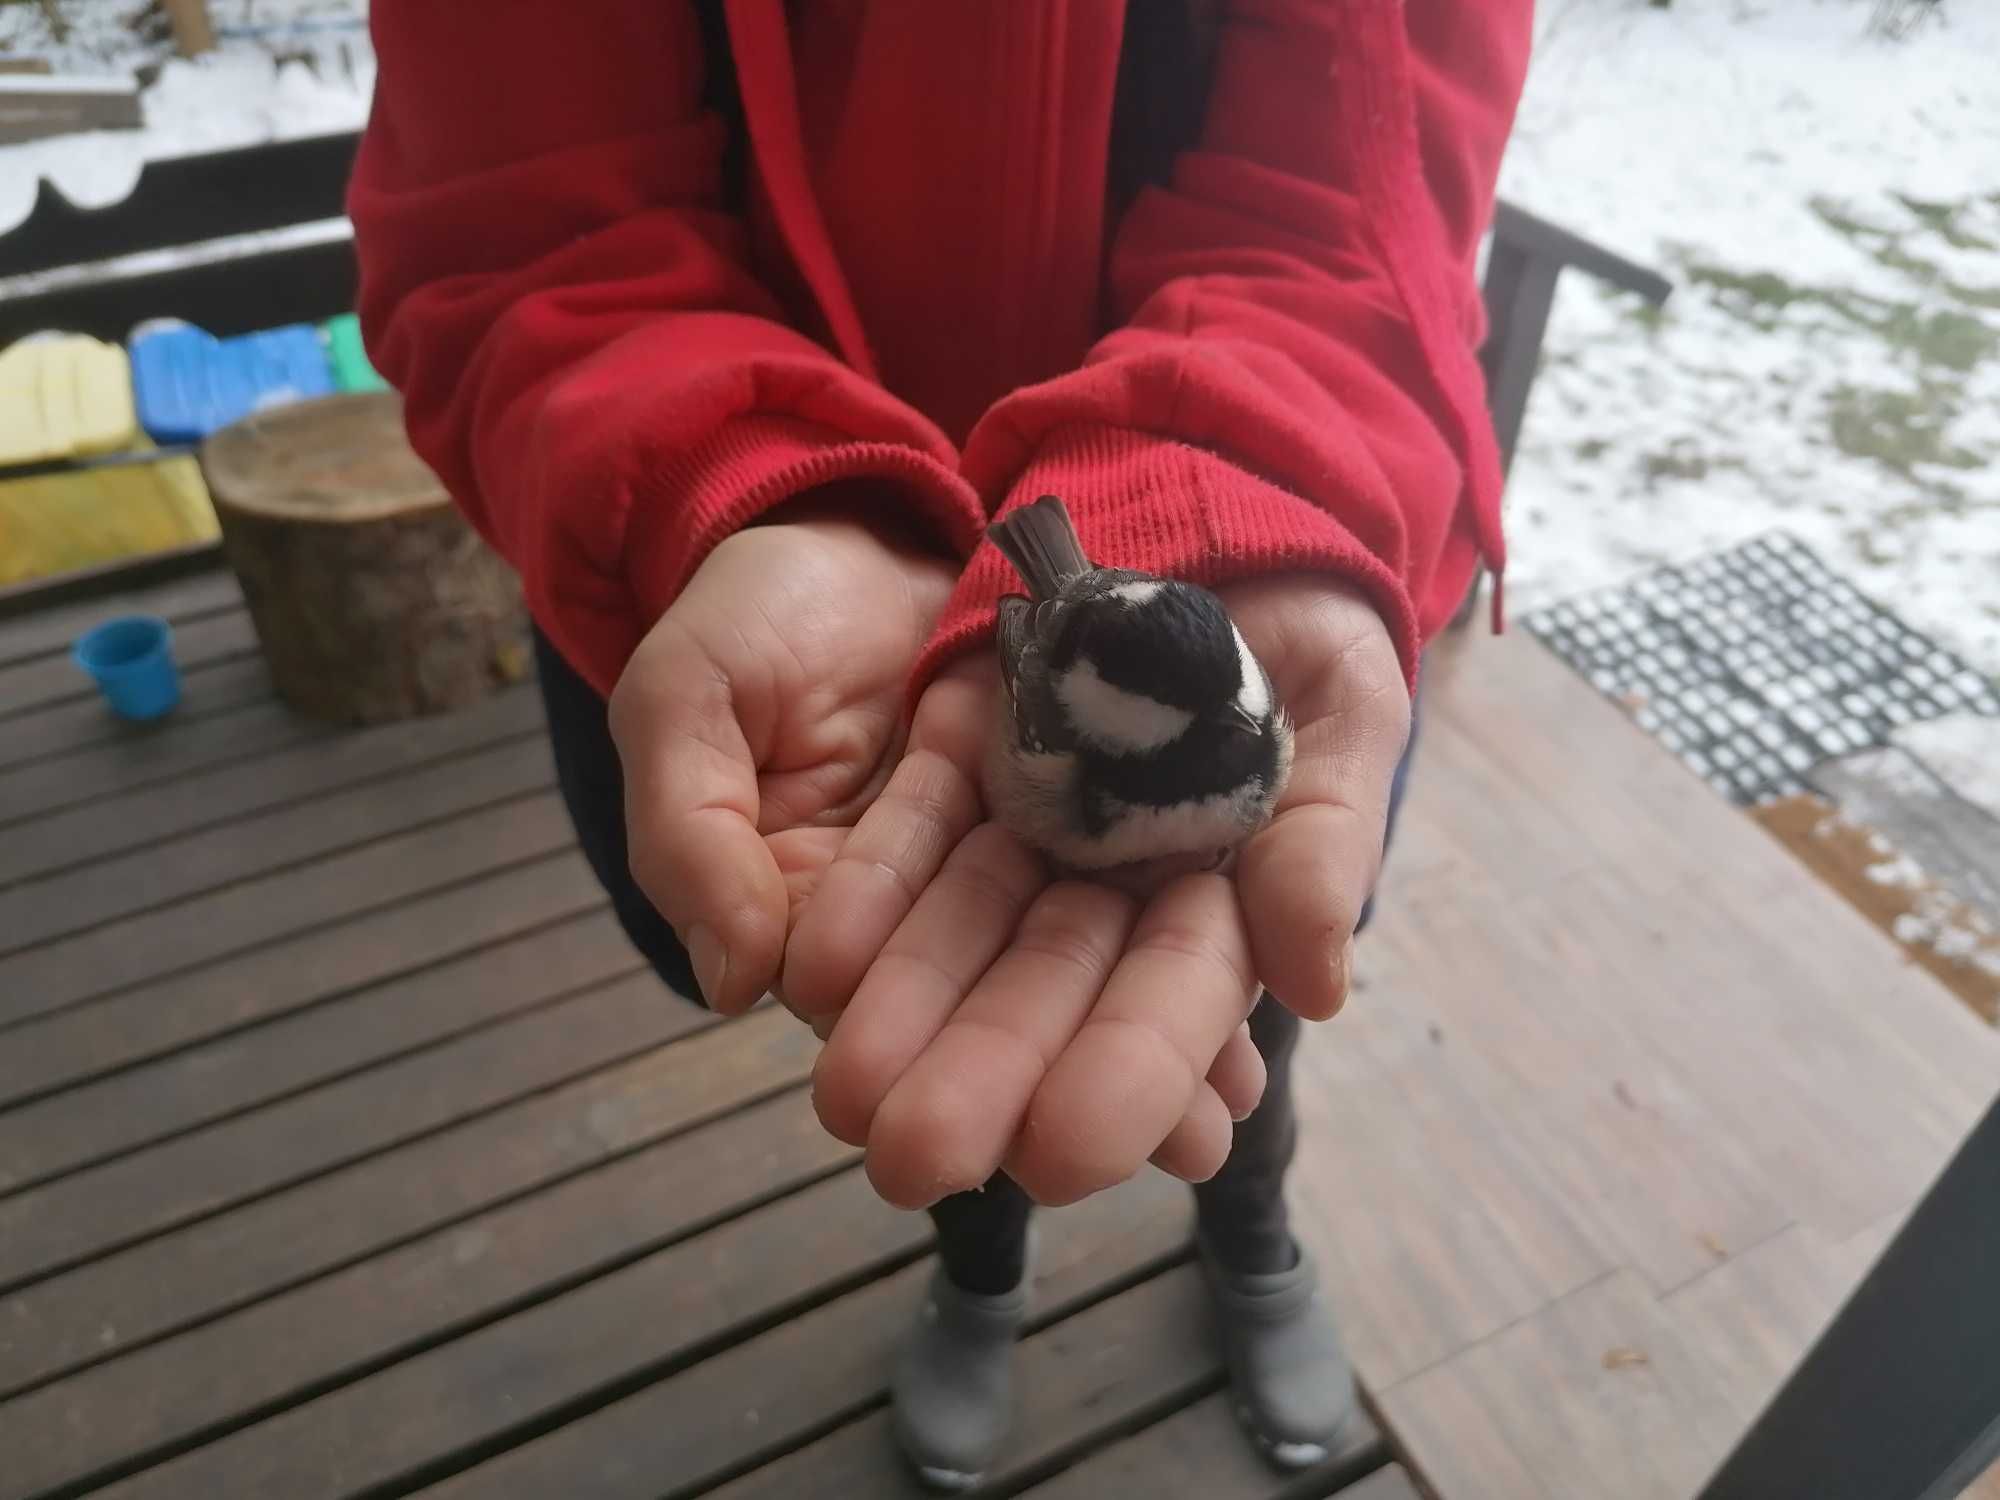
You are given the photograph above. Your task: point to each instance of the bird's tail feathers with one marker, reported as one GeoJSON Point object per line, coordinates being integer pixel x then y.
{"type": "Point", "coordinates": [1041, 542]}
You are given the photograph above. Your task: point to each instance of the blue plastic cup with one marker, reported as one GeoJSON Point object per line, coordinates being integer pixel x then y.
{"type": "Point", "coordinates": [131, 660]}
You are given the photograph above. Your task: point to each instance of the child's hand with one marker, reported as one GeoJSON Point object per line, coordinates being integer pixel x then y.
{"type": "Point", "coordinates": [755, 721]}
{"type": "Point", "coordinates": [989, 1019]}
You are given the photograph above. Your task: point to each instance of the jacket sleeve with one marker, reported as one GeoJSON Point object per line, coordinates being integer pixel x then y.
{"type": "Point", "coordinates": [585, 355]}
{"type": "Point", "coordinates": [1290, 381]}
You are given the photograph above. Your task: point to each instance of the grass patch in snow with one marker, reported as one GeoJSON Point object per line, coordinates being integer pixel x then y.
{"type": "Point", "coordinates": [1901, 430]}
{"type": "Point", "coordinates": [1945, 336]}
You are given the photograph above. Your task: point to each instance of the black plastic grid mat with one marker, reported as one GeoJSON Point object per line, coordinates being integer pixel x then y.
{"type": "Point", "coordinates": [1754, 664]}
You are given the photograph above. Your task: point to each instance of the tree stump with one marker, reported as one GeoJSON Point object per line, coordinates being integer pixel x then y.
{"type": "Point", "coordinates": [372, 597]}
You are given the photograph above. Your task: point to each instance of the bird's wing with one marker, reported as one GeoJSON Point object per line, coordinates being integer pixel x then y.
{"type": "Point", "coordinates": [1038, 721]}
{"type": "Point", "coordinates": [1016, 638]}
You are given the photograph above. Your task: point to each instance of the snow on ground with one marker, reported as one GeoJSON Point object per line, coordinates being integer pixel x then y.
{"type": "Point", "coordinates": [281, 68]}
{"type": "Point", "coordinates": [1963, 750]}
{"type": "Point", "coordinates": [1827, 202]}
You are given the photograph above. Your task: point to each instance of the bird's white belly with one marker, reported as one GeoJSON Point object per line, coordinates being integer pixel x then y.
{"type": "Point", "coordinates": [1036, 796]}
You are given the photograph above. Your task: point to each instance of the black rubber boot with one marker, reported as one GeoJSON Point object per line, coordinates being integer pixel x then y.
{"type": "Point", "coordinates": [1293, 1386]}
{"type": "Point", "coordinates": [953, 1389]}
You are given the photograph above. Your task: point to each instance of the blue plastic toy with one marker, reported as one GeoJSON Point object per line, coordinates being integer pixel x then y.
{"type": "Point", "coordinates": [132, 661]}
{"type": "Point", "coordinates": [186, 383]}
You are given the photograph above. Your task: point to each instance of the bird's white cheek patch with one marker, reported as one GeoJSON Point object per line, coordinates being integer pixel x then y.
{"type": "Point", "coordinates": [1136, 594]}
{"type": "Point", "coordinates": [1254, 697]}
{"type": "Point", "coordinates": [1115, 720]}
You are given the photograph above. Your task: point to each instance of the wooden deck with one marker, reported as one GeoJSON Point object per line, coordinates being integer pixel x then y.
{"type": "Point", "coordinates": [346, 1151]}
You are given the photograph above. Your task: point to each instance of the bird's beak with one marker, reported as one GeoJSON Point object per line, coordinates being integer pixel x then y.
{"type": "Point", "coordinates": [1237, 717]}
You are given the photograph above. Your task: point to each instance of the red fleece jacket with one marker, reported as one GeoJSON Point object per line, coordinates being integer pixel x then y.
{"type": "Point", "coordinates": [1265, 362]}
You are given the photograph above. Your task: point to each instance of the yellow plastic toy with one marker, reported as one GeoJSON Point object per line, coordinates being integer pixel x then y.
{"type": "Point", "coordinates": [64, 396]}
{"type": "Point", "coordinates": [53, 523]}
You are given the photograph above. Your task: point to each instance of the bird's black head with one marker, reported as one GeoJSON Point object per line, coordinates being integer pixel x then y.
{"type": "Point", "coordinates": [1139, 661]}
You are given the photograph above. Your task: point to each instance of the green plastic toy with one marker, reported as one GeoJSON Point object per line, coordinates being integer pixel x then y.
{"type": "Point", "coordinates": [351, 369]}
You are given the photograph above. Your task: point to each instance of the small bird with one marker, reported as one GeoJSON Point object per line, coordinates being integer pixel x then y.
{"type": "Point", "coordinates": [1139, 737]}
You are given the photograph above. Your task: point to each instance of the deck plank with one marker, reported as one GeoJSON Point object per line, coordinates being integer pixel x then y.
{"type": "Point", "coordinates": [96, 1210]}
{"type": "Point", "coordinates": [1391, 1483]}
{"type": "Point", "coordinates": [621, 1329]}
{"type": "Point", "coordinates": [1612, 1038]}
{"type": "Point", "coordinates": [220, 1263]}
{"type": "Point", "coordinates": [1596, 1394]}
{"type": "Point", "coordinates": [41, 1056]}
{"type": "Point", "coordinates": [1199, 1453]}
{"type": "Point", "coordinates": [1753, 1317]}
{"type": "Point", "coordinates": [51, 629]}
{"type": "Point", "coordinates": [43, 680]}
{"type": "Point", "coordinates": [720, 1417]}
{"type": "Point", "coordinates": [1110, 1369]}
{"type": "Point", "coordinates": [202, 929]}
{"type": "Point", "coordinates": [83, 1125]}
{"type": "Point", "coordinates": [151, 759]}
{"type": "Point", "coordinates": [40, 911]}
{"type": "Point", "coordinates": [78, 724]}
{"type": "Point", "coordinates": [119, 812]}
{"type": "Point", "coordinates": [340, 1327]}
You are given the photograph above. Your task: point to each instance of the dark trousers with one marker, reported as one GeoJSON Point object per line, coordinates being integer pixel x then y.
{"type": "Point", "coordinates": [982, 1236]}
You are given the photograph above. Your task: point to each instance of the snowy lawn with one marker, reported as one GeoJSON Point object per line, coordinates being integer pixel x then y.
{"type": "Point", "coordinates": [1828, 203]}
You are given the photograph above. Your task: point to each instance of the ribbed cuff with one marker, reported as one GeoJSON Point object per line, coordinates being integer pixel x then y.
{"type": "Point", "coordinates": [751, 465]}
{"type": "Point", "coordinates": [1147, 502]}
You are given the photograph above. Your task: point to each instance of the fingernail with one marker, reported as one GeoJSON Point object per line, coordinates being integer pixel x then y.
{"type": "Point", "coordinates": [710, 960]}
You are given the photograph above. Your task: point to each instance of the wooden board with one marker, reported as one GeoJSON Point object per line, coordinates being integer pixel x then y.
{"type": "Point", "coordinates": [1392, 1483]}
{"type": "Point", "coordinates": [1906, 889]}
{"type": "Point", "coordinates": [50, 629]}
{"type": "Point", "coordinates": [180, 200]}
{"type": "Point", "coordinates": [1118, 1365]}
{"type": "Point", "coordinates": [1955, 840]}
{"type": "Point", "coordinates": [570, 1352]}
{"type": "Point", "coordinates": [1611, 1039]}
{"type": "Point", "coordinates": [1596, 1389]}
{"type": "Point", "coordinates": [120, 812]}
{"type": "Point", "coordinates": [265, 844]}
{"type": "Point", "coordinates": [43, 680]}
{"type": "Point", "coordinates": [147, 758]}
{"type": "Point", "coordinates": [198, 931]}
{"type": "Point", "coordinates": [411, 1298]}
{"type": "Point", "coordinates": [764, 1396]}
{"type": "Point", "coordinates": [32, 107]}
{"type": "Point", "coordinates": [78, 723]}
{"type": "Point", "coordinates": [134, 1197]}
{"type": "Point", "coordinates": [215, 1264]}
{"type": "Point", "coordinates": [52, 1052]}
{"type": "Point", "coordinates": [1199, 1452]}
{"type": "Point", "coordinates": [149, 1102]}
